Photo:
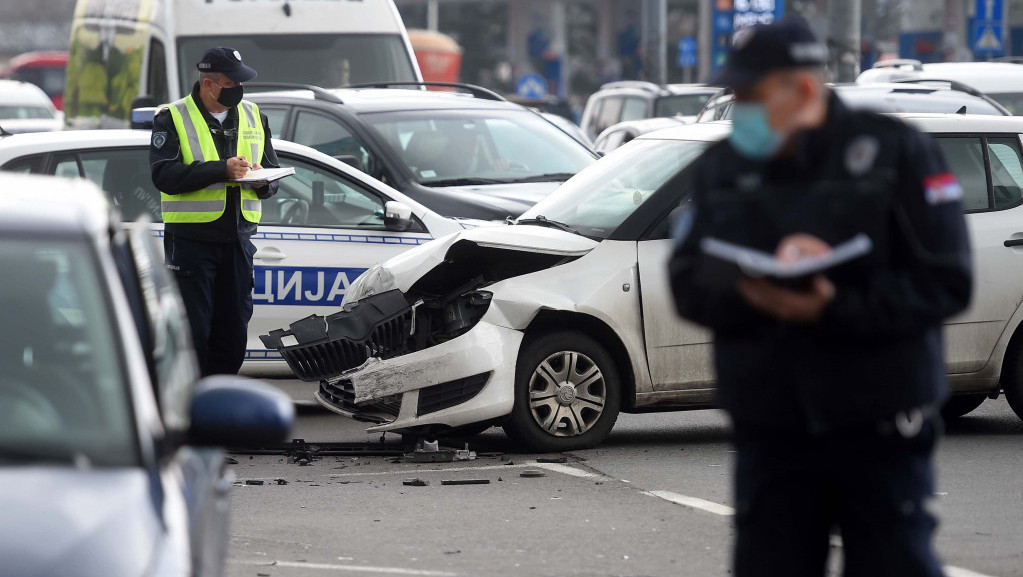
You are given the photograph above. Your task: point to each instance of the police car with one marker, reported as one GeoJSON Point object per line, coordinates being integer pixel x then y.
{"type": "Point", "coordinates": [324, 228]}
{"type": "Point", "coordinates": [552, 326]}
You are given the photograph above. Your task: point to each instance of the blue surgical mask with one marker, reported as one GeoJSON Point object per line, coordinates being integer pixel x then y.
{"type": "Point", "coordinates": [752, 136]}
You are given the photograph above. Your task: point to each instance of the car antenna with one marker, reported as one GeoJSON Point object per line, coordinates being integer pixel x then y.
{"type": "Point", "coordinates": [961, 110]}
{"type": "Point", "coordinates": [4, 132]}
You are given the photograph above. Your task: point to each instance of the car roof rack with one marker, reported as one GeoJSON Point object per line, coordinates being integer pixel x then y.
{"type": "Point", "coordinates": [637, 84]}
{"type": "Point", "coordinates": [956, 86]}
{"type": "Point", "coordinates": [318, 92]}
{"type": "Point", "coordinates": [900, 63]}
{"type": "Point", "coordinates": [476, 91]}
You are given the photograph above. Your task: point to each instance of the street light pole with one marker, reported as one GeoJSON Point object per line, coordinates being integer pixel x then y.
{"type": "Point", "coordinates": [844, 39]}
{"type": "Point", "coordinates": [655, 32]}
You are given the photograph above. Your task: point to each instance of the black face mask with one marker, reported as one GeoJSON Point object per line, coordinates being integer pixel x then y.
{"type": "Point", "coordinates": [230, 97]}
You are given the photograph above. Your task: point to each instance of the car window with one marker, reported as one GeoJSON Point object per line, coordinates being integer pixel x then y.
{"type": "Point", "coordinates": [156, 83]}
{"type": "Point", "coordinates": [454, 147]}
{"type": "Point", "coordinates": [1006, 171]}
{"type": "Point", "coordinates": [275, 118]}
{"type": "Point", "coordinates": [63, 392]}
{"type": "Point", "coordinates": [965, 156]}
{"type": "Point", "coordinates": [27, 164]}
{"type": "Point", "coordinates": [634, 109]}
{"type": "Point", "coordinates": [317, 197]}
{"type": "Point", "coordinates": [24, 112]}
{"type": "Point", "coordinates": [330, 137]}
{"type": "Point", "coordinates": [123, 174]}
{"type": "Point", "coordinates": [681, 105]}
{"type": "Point", "coordinates": [610, 112]}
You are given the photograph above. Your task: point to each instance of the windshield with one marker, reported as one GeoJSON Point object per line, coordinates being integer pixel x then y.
{"type": "Point", "coordinates": [26, 112]}
{"type": "Point", "coordinates": [326, 60]}
{"type": "Point", "coordinates": [1011, 100]}
{"type": "Point", "coordinates": [681, 105]}
{"type": "Point", "coordinates": [450, 147]}
{"type": "Point", "coordinates": [600, 198]}
{"type": "Point", "coordinates": [62, 393]}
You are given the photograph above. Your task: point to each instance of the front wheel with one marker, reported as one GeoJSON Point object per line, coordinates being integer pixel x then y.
{"type": "Point", "coordinates": [567, 393]}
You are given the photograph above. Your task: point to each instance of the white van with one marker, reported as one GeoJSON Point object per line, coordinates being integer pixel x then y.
{"type": "Point", "coordinates": [1002, 81]}
{"type": "Point", "coordinates": [125, 49]}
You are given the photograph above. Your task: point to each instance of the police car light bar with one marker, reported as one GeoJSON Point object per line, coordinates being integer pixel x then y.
{"type": "Point", "coordinates": [142, 118]}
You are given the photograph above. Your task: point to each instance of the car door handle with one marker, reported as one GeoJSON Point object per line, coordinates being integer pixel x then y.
{"type": "Point", "coordinates": [1014, 242]}
{"type": "Point", "coordinates": [269, 253]}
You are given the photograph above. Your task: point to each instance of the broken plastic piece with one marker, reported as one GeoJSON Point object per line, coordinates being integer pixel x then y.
{"type": "Point", "coordinates": [552, 460]}
{"type": "Point", "coordinates": [465, 482]}
{"type": "Point", "coordinates": [415, 482]}
{"type": "Point", "coordinates": [532, 473]}
{"type": "Point", "coordinates": [253, 482]}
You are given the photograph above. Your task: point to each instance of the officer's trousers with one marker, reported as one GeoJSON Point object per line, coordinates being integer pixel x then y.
{"type": "Point", "coordinates": [871, 488]}
{"type": "Point", "coordinates": [215, 280]}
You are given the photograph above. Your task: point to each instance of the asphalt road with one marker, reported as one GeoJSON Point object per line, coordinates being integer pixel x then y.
{"type": "Point", "coordinates": [654, 499]}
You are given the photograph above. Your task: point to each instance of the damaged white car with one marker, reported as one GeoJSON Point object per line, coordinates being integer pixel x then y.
{"type": "Point", "coordinates": [554, 325]}
{"type": "Point", "coordinates": [537, 327]}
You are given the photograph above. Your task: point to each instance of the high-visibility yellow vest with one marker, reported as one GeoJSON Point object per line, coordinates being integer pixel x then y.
{"type": "Point", "coordinates": [197, 144]}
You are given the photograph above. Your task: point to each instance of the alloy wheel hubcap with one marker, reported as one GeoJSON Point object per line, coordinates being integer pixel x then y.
{"type": "Point", "coordinates": [567, 394]}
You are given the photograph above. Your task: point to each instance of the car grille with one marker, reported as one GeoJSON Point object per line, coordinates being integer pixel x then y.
{"type": "Point", "coordinates": [317, 361]}
{"type": "Point", "coordinates": [341, 394]}
{"type": "Point", "coordinates": [449, 394]}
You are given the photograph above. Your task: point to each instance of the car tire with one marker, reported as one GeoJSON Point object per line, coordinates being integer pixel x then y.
{"type": "Point", "coordinates": [1012, 379]}
{"type": "Point", "coordinates": [960, 405]}
{"type": "Point", "coordinates": [575, 412]}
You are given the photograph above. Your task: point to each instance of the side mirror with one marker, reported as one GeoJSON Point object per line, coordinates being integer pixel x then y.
{"type": "Point", "coordinates": [397, 216]}
{"type": "Point", "coordinates": [353, 161]}
{"type": "Point", "coordinates": [232, 411]}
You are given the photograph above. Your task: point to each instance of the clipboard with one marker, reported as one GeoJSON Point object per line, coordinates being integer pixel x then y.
{"type": "Point", "coordinates": [264, 175]}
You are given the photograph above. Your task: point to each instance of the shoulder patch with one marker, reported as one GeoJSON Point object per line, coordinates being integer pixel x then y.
{"type": "Point", "coordinates": [159, 139]}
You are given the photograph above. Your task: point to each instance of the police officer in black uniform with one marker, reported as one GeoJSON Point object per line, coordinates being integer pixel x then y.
{"type": "Point", "coordinates": [833, 385]}
{"type": "Point", "coordinates": [212, 261]}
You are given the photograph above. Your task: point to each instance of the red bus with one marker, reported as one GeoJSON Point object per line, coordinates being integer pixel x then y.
{"type": "Point", "coordinates": [44, 69]}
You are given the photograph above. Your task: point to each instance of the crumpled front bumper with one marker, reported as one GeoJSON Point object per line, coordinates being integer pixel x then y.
{"type": "Point", "coordinates": [466, 380]}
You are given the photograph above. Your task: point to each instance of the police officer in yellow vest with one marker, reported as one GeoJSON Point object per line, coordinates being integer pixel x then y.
{"type": "Point", "coordinates": [199, 143]}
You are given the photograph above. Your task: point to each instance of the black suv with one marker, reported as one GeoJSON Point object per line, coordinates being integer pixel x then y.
{"type": "Point", "coordinates": [464, 151]}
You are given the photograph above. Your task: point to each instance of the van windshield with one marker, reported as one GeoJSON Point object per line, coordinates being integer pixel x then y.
{"type": "Point", "coordinates": [327, 60]}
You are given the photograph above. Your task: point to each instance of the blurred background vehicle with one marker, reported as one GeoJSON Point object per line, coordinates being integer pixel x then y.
{"type": "Point", "coordinates": [634, 100]}
{"type": "Point", "coordinates": [623, 132]}
{"type": "Point", "coordinates": [465, 154]}
{"type": "Point", "coordinates": [900, 95]}
{"type": "Point", "coordinates": [1002, 81]}
{"type": "Point", "coordinates": [121, 50]}
{"type": "Point", "coordinates": [25, 107]}
{"type": "Point", "coordinates": [44, 69]}
{"type": "Point", "coordinates": [439, 55]}
{"type": "Point", "coordinates": [324, 227]}
{"type": "Point", "coordinates": [109, 453]}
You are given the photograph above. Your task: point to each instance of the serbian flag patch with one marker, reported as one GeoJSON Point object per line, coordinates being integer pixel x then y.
{"type": "Point", "coordinates": [942, 188]}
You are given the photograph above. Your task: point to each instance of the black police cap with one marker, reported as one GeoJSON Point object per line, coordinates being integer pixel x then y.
{"type": "Point", "coordinates": [764, 48]}
{"type": "Point", "coordinates": [228, 62]}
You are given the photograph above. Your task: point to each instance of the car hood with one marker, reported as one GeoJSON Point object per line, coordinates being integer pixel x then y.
{"type": "Point", "coordinates": [403, 270]}
{"type": "Point", "coordinates": [514, 199]}
{"type": "Point", "coordinates": [64, 521]}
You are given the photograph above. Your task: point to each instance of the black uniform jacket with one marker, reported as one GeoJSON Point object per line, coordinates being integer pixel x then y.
{"type": "Point", "coordinates": [878, 348]}
{"type": "Point", "coordinates": [172, 176]}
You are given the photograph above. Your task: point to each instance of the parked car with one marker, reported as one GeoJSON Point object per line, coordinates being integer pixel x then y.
{"type": "Point", "coordinates": [634, 100]}
{"type": "Point", "coordinates": [553, 326]}
{"type": "Point", "coordinates": [1002, 81]}
{"type": "Point", "coordinates": [109, 457]}
{"type": "Point", "coordinates": [464, 154]}
{"type": "Point", "coordinates": [25, 107]}
{"type": "Point", "coordinates": [325, 226]}
{"type": "Point", "coordinates": [618, 134]}
{"type": "Point", "coordinates": [44, 69]}
{"type": "Point", "coordinates": [906, 95]}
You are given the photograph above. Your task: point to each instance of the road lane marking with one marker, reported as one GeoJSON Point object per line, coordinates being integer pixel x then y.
{"type": "Point", "coordinates": [566, 470]}
{"type": "Point", "coordinates": [351, 568]}
{"type": "Point", "coordinates": [693, 502]}
{"type": "Point", "coordinates": [951, 571]}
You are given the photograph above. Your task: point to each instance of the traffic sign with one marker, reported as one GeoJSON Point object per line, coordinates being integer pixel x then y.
{"type": "Point", "coordinates": [531, 86]}
{"type": "Point", "coordinates": [987, 31]}
{"type": "Point", "coordinates": [687, 50]}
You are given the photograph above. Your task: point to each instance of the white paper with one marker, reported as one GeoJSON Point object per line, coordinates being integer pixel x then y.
{"type": "Point", "coordinates": [756, 264]}
{"type": "Point", "coordinates": [265, 175]}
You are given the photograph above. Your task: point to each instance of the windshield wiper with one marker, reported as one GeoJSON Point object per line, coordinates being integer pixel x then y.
{"type": "Point", "coordinates": [542, 220]}
{"type": "Point", "coordinates": [468, 181]}
{"type": "Point", "coordinates": [549, 177]}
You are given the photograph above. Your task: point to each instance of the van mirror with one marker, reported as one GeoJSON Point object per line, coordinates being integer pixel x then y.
{"type": "Point", "coordinates": [397, 216]}
{"type": "Point", "coordinates": [353, 161]}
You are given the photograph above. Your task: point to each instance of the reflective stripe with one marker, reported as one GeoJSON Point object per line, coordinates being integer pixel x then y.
{"type": "Point", "coordinates": [253, 205]}
{"type": "Point", "coordinates": [248, 114]}
{"type": "Point", "coordinates": [255, 150]}
{"type": "Point", "coordinates": [191, 132]}
{"type": "Point", "coordinates": [193, 206]}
